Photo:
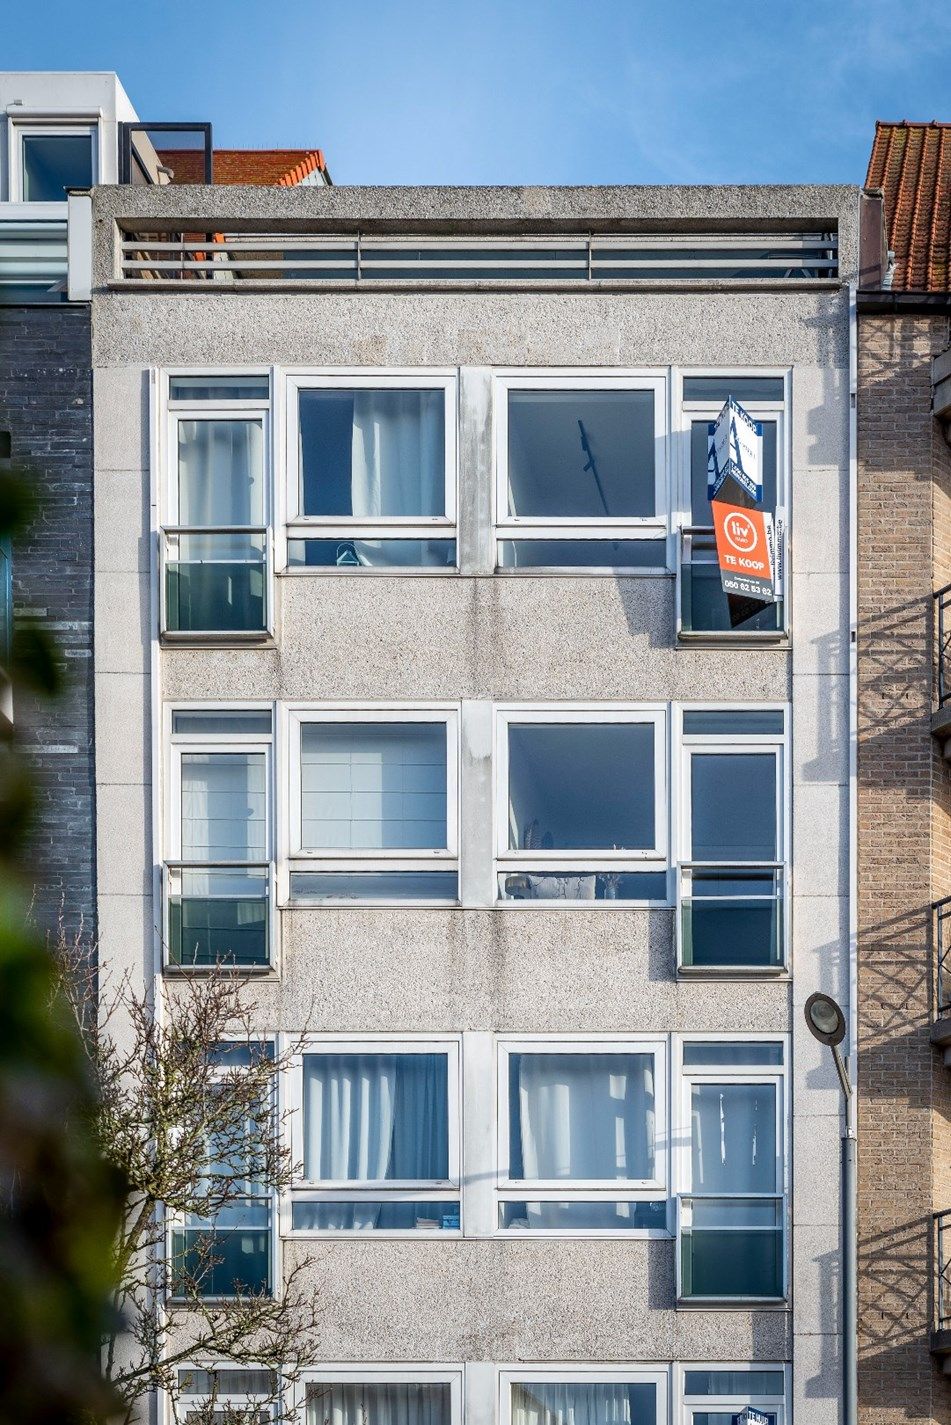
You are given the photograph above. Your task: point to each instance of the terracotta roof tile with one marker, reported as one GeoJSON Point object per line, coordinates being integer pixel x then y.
{"type": "Point", "coordinates": [911, 163]}
{"type": "Point", "coordinates": [264, 168]}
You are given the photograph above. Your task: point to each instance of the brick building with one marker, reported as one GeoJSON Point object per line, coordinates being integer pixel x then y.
{"type": "Point", "coordinates": [904, 792]}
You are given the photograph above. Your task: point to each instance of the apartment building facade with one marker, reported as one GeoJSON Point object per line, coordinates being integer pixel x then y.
{"type": "Point", "coordinates": [904, 797]}
{"type": "Point", "coordinates": [417, 697]}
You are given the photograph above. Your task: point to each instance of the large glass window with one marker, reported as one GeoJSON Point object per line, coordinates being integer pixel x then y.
{"type": "Point", "coordinates": [585, 1402]}
{"type": "Point", "coordinates": [374, 474]}
{"type": "Point", "coordinates": [722, 1395]}
{"type": "Point", "coordinates": [581, 811]}
{"type": "Point", "coordinates": [55, 160]}
{"type": "Point", "coordinates": [378, 1135]}
{"type": "Point", "coordinates": [218, 870]}
{"type": "Point", "coordinates": [580, 478]}
{"type": "Point", "coordinates": [583, 1134]}
{"type": "Point", "coordinates": [374, 1401]}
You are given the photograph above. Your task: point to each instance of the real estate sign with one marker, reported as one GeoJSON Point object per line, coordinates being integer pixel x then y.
{"type": "Point", "coordinates": [746, 551]}
{"type": "Point", "coordinates": [735, 451]}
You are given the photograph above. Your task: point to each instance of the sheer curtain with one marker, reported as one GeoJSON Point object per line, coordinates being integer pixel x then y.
{"type": "Point", "coordinates": [578, 1403]}
{"type": "Point", "coordinates": [397, 464]}
{"type": "Point", "coordinates": [220, 473]}
{"type": "Point", "coordinates": [224, 813]}
{"type": "Point", "coordinates": [390, 1403]}
{"type": "Point", "coordinates": [582, 1116]}
{"type": "Point", "coordinates": [733, 1133]}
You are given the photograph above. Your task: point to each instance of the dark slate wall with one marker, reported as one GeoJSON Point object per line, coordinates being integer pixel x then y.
{"type": "Point", "coordinates": [46, 404]}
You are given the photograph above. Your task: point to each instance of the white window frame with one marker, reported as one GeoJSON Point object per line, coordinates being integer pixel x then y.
{"type": "Point", "coordinates": [175, 1221]}
{"type": "Point", "coordinates": [173, 412]}
{"type": "Point", "coordinates": [655, 858]}
{"type": "Point", "coordinates": [378, 1373]}
{"type": "Point", "coordinates": [737, 743]}
{"type": "Point", "coordinates": [300, 526]}
{"type": "Point", "coordinates": [686, 412]}
{"type": "Point", "coordinates": [302, 1189]}
{"type": "Point", "coordinates": [236, 1399]}
{"type": "Point", "coordinates": [514, 527]}
{"type": "Point", "coordinates": [688, 1406]}
{"type": "Point", "coordinates": [555, 1374]}
{"type": "Point", "coordinates": [527, 1190]}
{"type": "Point", "coordinates": [303, 858]}
{"type": "Point", "coordinates": [61, 126]}
{"type": "Point", "coordinates": [684, 1077]}
{"type": "Point", "coordinates": [178, 743]}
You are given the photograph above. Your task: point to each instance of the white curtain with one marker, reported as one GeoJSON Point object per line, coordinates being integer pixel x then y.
{"type": "Point", "coordinates": [390, 1403]}
{"type": "Point", "coordinates": [578, 1403]}
{"type": "Point", "coordinates": [224, 811]}
{"type": "Point", "coordinates": [220, 473]}
{"type": "Point", "coordinates": [733, 1133]}
{"type": "Point", "coordinates": [584, 1116]}
{"type": "Point", "coordinates": [397, 455]}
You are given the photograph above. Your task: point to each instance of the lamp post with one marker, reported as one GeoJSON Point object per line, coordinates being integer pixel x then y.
{"type": "Point", "coordinates": [826, 1022]}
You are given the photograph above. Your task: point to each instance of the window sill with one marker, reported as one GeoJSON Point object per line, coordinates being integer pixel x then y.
{"type": "Point", "coordinates": [218, 639]}
{"type": "Point", "coordinates": [733, 972]}
{"type": "Point", "coordinates": [705, 638]}
{"type": "Point", "coordinates": [733, 1303]}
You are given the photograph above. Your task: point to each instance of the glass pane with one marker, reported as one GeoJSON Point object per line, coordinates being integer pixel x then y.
{"type": "Point", "coordinates": [54, 162]}
{"type": "Point", "coordinates": [705, 608]}
{"type": "Point", "coordinates": [732, 1249]}
{"type": "Point", "coordinates": [583, 1117]}
{"type": "Point", "coordinates": [376, 1117]}
{"type": "Point", "coordinates": [216, 583]}
{"type": "Point", "coordinates": [371, 553]}
{"type": "Point", "coordinates": [372, 454]}
{"type": "Point", "coordinates": [582, 454]}
{"type": "Point", "coordinates": [583, 886]}
{"type": "Point", "coordinates": [582, 554]}
{"type": "Point", "coordinates": [741, 388]}
{"type": "Point", "coordinates": [731, 920]}
{"type": "Point", "coordinates": [716, 1052]}
{"type": "Point", "coordinates": [366, 1216]}
{"type": "Point", "coordinates": [375, 885]}
{"type": "Point", "coordinates": [584, 1403]}
{"type": "Point", "coordinates": [219, 917]}
{"type": "Point", "coordinates": [733, 1138]}
{"type": "Point", "coordinates": [575, 1216]}
{"type": "Point", "coordinates": [378, 786]}
{"type": "Point", "coordinates": [224, 806]}
{"type": "Point", "coordinates": [372, 1403]}
{"type": "Point", "coordinates": [220, 472]}
{"type": "Point", "coordinates": [700, 513]}
{"type": "Point", "coordinates": [209, 1263]}
{"type": "Point", "coordinates": [216, 721]}
{"type": "Point", "coordinates": [733, 806]}
{"type": "Point", "coordinates": [237, 1382]}
{"type": "Point", "coordinates": [733, 722]}
{"type": "Point", "coordinates": [722, 1383]}
{"type": "Point", "coordinates": [218, 388]}
{"type": "Point", "coordinates": [581, 786]}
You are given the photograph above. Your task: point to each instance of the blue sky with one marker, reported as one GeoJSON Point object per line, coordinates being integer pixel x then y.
{"type": "Point", "coordinates": [519, 91]}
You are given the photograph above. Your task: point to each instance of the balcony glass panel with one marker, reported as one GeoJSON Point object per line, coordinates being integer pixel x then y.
{"type": "Point", "coordinates": [216, 583]}
{"type": "Point", "coordinates": [731, 918]}
{"type": "Point", "coordinates": [731, 1247]}
{"type": "Point", "coordinates": [703, 604]}
{"type": "Point", "coordinates": [216, 1261]}
{"type": "Point", "coordinates": [218, 917]}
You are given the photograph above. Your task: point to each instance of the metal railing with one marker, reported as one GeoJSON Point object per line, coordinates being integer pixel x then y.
{"type": "Point", "coordinates": [942, 1270]}
{"type": "Point", "coordinates": [319, 259]}
{"type": "Point", "coordinates": [941, 912]}
{"type": "Point", "coordinates": [942, 603]}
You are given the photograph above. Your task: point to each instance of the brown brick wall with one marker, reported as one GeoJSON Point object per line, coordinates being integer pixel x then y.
{"type": "Point", "coordinates": [904, 545]}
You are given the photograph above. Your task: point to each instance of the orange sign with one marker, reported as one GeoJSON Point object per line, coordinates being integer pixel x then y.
{"type": "Point", "coordinates": [745, 551]}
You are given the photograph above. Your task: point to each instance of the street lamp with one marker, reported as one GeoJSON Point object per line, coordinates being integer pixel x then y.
{"type": "Point", "coordinates": [826, 1022]}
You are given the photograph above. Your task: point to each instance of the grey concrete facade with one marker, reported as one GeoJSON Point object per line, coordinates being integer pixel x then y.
{"type": "Point", "coordinates": [475, 638]}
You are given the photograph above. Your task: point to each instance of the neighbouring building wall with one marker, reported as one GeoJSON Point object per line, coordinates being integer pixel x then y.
{"type": "Point", "coordinates": [46, 405]}
{"type": "Point", "coordinates": [904, 847]}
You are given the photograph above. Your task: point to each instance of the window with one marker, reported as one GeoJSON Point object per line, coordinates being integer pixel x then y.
{"type": "Point", "coordinates": [732, 1203]}
{"type": "Point", "coordinates": [227, 1396]}
{"type": "Point", "coordinates": [230, 1253]}
{"type": "Point", "coordinates": [411, 1395]}
{"type": "Point", "coordinates": [376, 1131]}
{"type": "Point", "coordinates": [704, 608]}
{"type": "Point", "coordinates": [372, 472]}
{"type": "Point", "coordinates": [581, 809]}
{"type": "Point", "coordinates": [580, 472]}
{"type": "Point", "coordinates": [719, 1394]}
{"type": "Point", "coordinates": [588, 1396]}
{"type": "Point", "coordinates": [53, 159]}
{"type": "Point", "coordinates": [216, 542]}
{"type": "Point", "coordinates": [582, 1145]}
{"type": "Point", "coordinates": [732, 867]}
{"type": "Point", "coordinates": [375, 806]}
{"type": "Point", "coordinates": [218, 873]}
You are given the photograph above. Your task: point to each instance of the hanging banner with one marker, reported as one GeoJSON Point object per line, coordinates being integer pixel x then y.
{"type": "Point", "coordinates": [746, 552]}
{"type": "Point", "coordinates": [735, 452]}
